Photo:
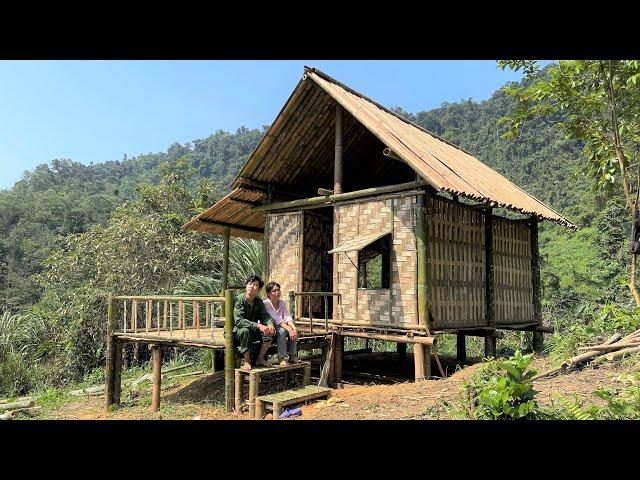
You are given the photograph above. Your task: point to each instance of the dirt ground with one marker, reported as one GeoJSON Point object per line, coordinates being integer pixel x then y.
{"type": "Point", "coordinates": [376, 386]}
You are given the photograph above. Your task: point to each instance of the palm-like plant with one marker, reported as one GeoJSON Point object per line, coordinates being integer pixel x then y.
{"type": "Point", "coordinates": [245, 259]}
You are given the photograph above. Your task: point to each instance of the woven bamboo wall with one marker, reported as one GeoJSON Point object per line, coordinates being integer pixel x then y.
{"type": "Point", "coordinates": [318, 264]}
{"type": "Point", "coordinates": [284, 261]}
{"type": "Point", "coordinates": [373, 306]}
{"type": "Point", "coordinates": [512, 280]}
{"type": "Point", "coordinates": [455, 243]}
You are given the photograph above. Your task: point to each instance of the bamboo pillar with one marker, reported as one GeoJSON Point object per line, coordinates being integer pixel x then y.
{"type": "Point", "coordinates": [418, 358]}
{"type": "Point", "coordinates": [265, 252]}
{"type": "Point", "coordinates": [461, 347]}
{"type": "Point", "coordinates": [109, 370]}
{"type": "Point", "coordinates": [229, 354]}
{"type": "Point", "coordinates": [489, 345]}
{"type": "Point", "coordinates": [422, 353]}
{"type": "Point", "coordinates": [489, 339]}
{"type": "Point", "coordinates": [292, 303]}
{"type": "Point", "coordinates": [238, 392]}
{"type": "Point", "coordinates": [156, 355]}
{"type": "Point", "coordinates": [538, 338]}
{"type": "Point", "coordinates": [225, 262]}
{"type": "Point", "coordinates": [337, 189]}
{"type": "Point", "coordinates": [338, 354]}
{"type": "Point", "coordinates": [117, 377]}
{"type": "Point", "coordinates": [337, 171]}
{"type": "Point", "coordinates": [301, 265]}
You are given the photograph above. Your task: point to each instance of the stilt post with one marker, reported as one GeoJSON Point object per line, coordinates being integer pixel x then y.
{"type": "Point", "coordinates": [110, 354]}
{"type": "Point", "coordinates": [117, 377]}
{"type": "Point", "coordinates": [418, 360]}
{"type": "Point", "coordinates": [461, 347]}
{"type": "Point", "coordinates": [422, 353]}
{"type": "Point", "coordinates": [337, 189]}
{"type": "Point", "coordinates": [156, 355]}
{"type": "Point", "coordinates": [489, 339]}
{"type": "Point", "coordinates": [538, 338]}
{"type": "Point", "coordinates": [489, 345]}
{"type": "Point", "coordinates": [225, 262]}
{"type": "Point", "coordinates": [229, 356]}
{"type": "Point", "coordinates": [338, 354]}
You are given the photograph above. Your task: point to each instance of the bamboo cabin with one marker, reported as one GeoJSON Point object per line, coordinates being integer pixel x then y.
{"type": "Point", "coordinates": [380, 229]}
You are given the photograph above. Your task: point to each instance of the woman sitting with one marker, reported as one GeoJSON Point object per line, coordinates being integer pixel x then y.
{"type": "Point", "coordinates": [287, 334]}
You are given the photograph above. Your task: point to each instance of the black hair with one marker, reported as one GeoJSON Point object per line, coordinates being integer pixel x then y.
{"type": "Point", "coordinates": [270, 286]}
{"type": "Point", "coordinates": [254, 278]}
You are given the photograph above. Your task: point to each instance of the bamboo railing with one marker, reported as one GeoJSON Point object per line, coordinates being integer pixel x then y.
{"type": "Point", "coordinates": [153, 314]}
{"type": "Point", "coordinates": [309, 321]}
{"type": "Point", "coordinates": [175, 314]}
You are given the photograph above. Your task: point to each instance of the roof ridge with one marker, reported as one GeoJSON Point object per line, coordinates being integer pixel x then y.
{"type": "Point", "coordinates": [320, 73]}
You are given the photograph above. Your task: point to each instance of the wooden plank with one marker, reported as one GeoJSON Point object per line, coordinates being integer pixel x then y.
{"type": "Point", "coordinates": [288, 397]}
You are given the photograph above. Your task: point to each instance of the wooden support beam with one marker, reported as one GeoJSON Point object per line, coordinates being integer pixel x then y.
{"type": "Point", "coordinates": [156, 355]}
{"type": "Point", "coordinates": [110, 354]}
{"type": "Point", "coordinates": [461, 347]}
{"type": "Point", "coordinates": [415, 339]}
{"type": "Point", "coordinates": [229, 354]}
{"type": "Point", "coordinates": [328, 200]}
{"type": "Point", "coordinates": [231, 225]}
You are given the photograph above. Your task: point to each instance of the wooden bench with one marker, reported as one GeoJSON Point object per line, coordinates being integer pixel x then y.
{"type": "Point", "coordinates": [276, 401]}
{"type": "Point", "coordinates": [255, 375]}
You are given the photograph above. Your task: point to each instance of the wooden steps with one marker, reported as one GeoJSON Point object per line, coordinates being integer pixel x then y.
{"type": "Point", "coordinates": [276, 401]}
{"type": "Point", "coordinates": [256, 374]}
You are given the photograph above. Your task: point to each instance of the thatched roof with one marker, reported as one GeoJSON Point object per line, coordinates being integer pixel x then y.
{"type": "Point", "coordinates": [296, 155]}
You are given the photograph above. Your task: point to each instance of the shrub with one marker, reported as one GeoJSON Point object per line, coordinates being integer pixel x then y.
{"type": "Point", "coordinates": [502, 390]}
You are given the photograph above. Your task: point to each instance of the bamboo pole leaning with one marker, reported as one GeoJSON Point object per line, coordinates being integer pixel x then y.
{"type": "Point", "coordinates": [613, 348]}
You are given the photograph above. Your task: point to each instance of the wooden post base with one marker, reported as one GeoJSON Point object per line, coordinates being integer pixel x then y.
{"type": "Point", "coordinates": [156, 353]}
{"type": "Point", "coordinates": [238, 392]}
{"type": "Point", "coordinates": [422, 361]}
{"type": "Point", "coordinates": [117, 377]}
{"type": "Point", "coordinates": [461, 347]}
{"type": "Point", "coordinates": [538, 341]}
{"type": "Point", "coordinates": [489, 346]}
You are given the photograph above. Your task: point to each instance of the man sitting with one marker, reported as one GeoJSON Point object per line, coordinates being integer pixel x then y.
{"type": "Point", "coordinates": [252, 322]}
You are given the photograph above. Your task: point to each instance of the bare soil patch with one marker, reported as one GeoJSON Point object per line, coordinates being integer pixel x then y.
{"type": "Point", "coordinates": [376, 387]}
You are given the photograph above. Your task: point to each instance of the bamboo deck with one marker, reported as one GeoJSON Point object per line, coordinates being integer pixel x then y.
{"type": "Point", "coordinates": [203, 337]}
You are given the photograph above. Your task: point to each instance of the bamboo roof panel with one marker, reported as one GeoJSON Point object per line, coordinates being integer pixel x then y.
{"type": "Point", "coordinates": [233, 210]}
{"type": "Point", "coordinates": [442, 164]}
{"type": "Point", "coordinates": [296, 154]}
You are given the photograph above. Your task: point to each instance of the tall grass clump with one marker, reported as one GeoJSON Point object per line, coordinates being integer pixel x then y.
{"type": "Point", "coordinates": [27, 344]}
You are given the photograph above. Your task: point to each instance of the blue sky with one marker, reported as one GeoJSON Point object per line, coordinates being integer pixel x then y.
{"type": "Point", "coordinates": [94, 111]}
